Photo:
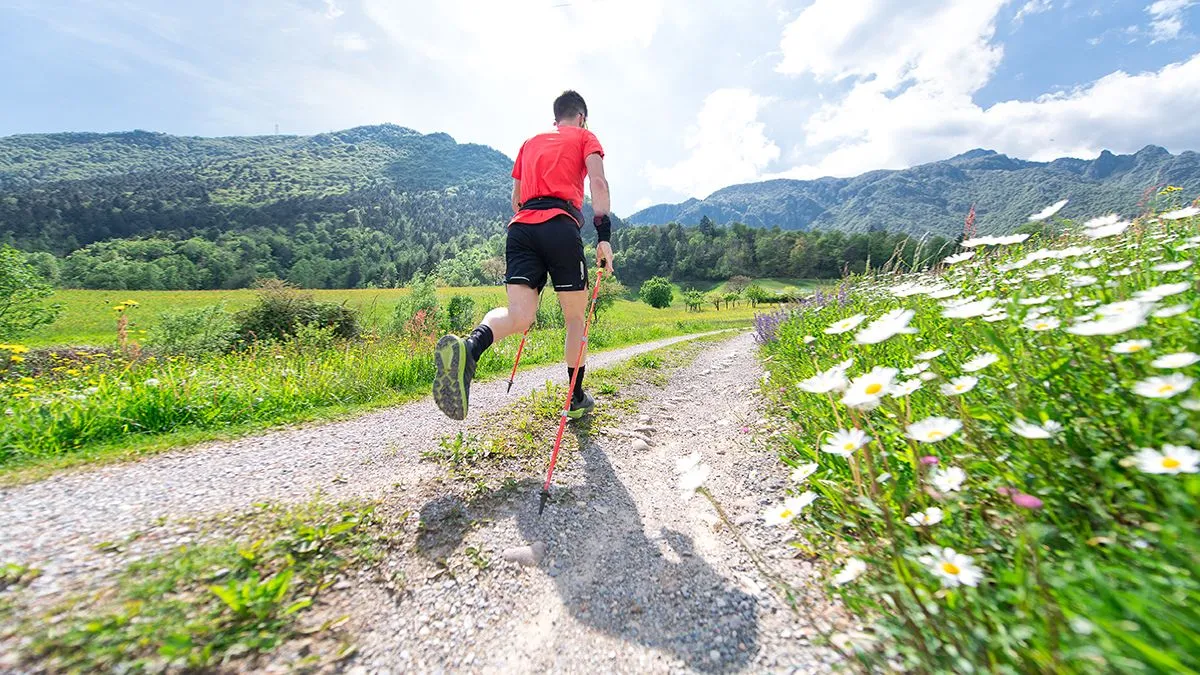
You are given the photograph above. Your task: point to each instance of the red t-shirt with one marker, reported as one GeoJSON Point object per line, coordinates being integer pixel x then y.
{"type": "Point", "coordinates": [552, 165]}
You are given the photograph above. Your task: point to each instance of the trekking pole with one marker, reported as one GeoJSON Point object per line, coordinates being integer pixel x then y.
{"type": "Point", "coordinates": [562, 422]}
{"type": "Point", "coordinates": [520, 349]}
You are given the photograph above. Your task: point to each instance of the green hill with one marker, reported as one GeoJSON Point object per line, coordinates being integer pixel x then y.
{"type": "Point", "coordinates": [936, 197]}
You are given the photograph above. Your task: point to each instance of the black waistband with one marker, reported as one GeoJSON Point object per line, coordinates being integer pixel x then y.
{"type": "Point", "coordinates": [548, 203]}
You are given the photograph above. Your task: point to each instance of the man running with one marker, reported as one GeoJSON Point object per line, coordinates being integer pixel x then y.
{"type": "Point", "coordinates": [543, 237]}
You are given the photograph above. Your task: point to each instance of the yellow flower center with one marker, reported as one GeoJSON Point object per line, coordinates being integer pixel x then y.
{"type": "Point", "coordinates": [848, 446]}
{"type": "Point", "coordinates": [1170, 463]}
{"type": "Point", "coordinates": [874, 388]}
{"type": "Point", "coordinates": [787, 513]}
{"type": "Point", "coordinates": [950, 568]}
{"type": "Point", "coordinates": [1166, 389]}
{"type": "Point", "coordinates": [936, 435]}
{"type": "Point", "coordinates": [1042, 326]}
{"type": "Point", "coordinates": [1135, 348]}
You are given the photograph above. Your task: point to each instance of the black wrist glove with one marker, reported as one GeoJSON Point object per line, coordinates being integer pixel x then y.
{"type": "Point", "coordinates": [603, 227]}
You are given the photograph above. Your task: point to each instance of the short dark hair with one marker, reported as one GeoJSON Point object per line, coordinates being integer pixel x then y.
{"type": "Point", "coordinates": [569, 104]}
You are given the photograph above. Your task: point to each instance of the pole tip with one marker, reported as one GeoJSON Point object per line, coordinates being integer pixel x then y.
{"type": "Point", "coordinates": [545, 497]}
{"type": "Point", "coordinates": [509, 390]}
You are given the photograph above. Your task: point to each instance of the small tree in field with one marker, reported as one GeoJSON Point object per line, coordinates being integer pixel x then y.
{"type": "Point", "coordinates": [22, 291]}
{"type": "Point", "coordinates": [693, 299]}
{"type": "Point", "coordinates": [732, 297]}
{"type": "Point", "coordinates": [756, 294]}
{"type": "Point", "coordinates": [657, 292]}
{"type": "Point", "coordinates": [737, 284]}
{"type": "Point", "coordinates": [715, 298]}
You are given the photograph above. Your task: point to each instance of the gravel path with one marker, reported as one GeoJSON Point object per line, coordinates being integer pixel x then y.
{"type": "Point", "coordinates": [620, 574]}
{"type": "Point", "coordinates": [55, 524]}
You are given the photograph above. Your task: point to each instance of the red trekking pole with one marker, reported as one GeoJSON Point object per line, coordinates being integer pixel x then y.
{"type": "Point", "coordinates": [513, 376]}
{"type": "Point", "coordinates": [562, 422]}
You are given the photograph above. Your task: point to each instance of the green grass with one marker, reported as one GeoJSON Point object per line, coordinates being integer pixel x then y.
{"type": "Point", "coordinates": [1087, 554]}
{"type": "Point", "coordinates": [233, 595]}
{"type": "Point", "coordinates": [88, 317]}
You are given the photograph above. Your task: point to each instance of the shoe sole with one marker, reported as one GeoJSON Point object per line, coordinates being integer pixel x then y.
{"type": "Point", "coordinates": [579, 412]}
{"type": "Point", "coordinates": [449, 386]}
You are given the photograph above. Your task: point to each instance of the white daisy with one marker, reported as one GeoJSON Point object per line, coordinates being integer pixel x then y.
{"type": "Point", "coordinates": [1177, 360]}
{"type": "Point", "coordinates": [930, 516]}
{"type": "Point", "coordinates": [1173, 266]}
{"type": "Point", "coordinates": [1163, 386]}
{"type": "Point", "coordinates": [831, 380]}
{"type": "Point", "coordinates": [958, 257]}
{"type": "Point", "coordinates": [687, 463]}
{"type": "Point", "coordinates": [906, 387]}
{"type": "Point", "coordinates": [1110, 325]}
{"type": "Point", "coordinates": [1181, 213]}
{"type": "Point", "coordinates": [1192, 404]}
{"type": "Point", "coordinates": [1048, 211]}
{"type": "Point", "coordinates": [916, 369]}
{"type": "Point", "coordinates": [959, 385]}
{"type": "Point", "coordinates": [1157, 293]}
{"type": "Point", "coordinates": [1107, 231]}
{"type": "Point", "coordinates": [980, 362]}
{"type": "Point", "coordinates": [802, 472]}
{"type": "Point", "coordinates": [1034, 301]}
{"type": "Point", "coordinates": [1130, 346]}
{"type": "Point", "coordinates": [1087, 264]}
{"type": "Point", "coordinates": [843, 442]}
{"type": "Point", "coordinates": [952, 568]}
{"type": "Point", "coordinates": [1172, 459]}
{"type": "Point", "coordinates": [1035, 431]}
{"type": "Point", "coordinates": [943, 293]}
{"type": "Point", "coordinates": [970, 309]}
{"type": "Point", "coordinates": [866, 390]}
{"type": "Point", "coordinates": [995, 315]}
{"type": "Point", "coordinates": [849, 323]}
{"type": "Point", "coordinates": [791, 507]}
{"type": "Point", "coordinates": [1041, 323]}
{"type": "Point", "coordinates": [933, 429]}
{"type": "Point", "coordinates": [886, 326]}
{"type": "Point", "coordinates": [1110, 219]}
{"type": "Point", "coordinates": [930, 355]}
{"type": "Point", "coordinates": [1082, 281]}
{"type": "Point", "coordinates": [949, 479]}
{"type": "Point", "coordinates": [853, 570]}
{"type": "Point", "coordinates": [693, 479]}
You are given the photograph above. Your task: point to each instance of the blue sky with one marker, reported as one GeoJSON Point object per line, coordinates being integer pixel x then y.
{"type": "Point", "coordinates": [687, 95]}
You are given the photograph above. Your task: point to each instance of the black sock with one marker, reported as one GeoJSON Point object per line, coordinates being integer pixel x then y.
{"type": "Point", "coordinates": [578, 393]}
{"type": "Point", "coordinates": [478, 341]}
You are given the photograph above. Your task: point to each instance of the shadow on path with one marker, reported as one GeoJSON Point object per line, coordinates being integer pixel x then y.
{"type": "Point", "coordinates": [610, 576]}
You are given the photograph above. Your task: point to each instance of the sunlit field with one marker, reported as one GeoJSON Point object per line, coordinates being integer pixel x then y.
{"type": "Point", "coordinates": [997, 459]}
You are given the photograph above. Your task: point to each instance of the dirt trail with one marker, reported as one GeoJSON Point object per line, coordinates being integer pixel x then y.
{"type": "Point", "coordinates": [632, 579]}
{"type": "Point", "coordinates": [55, 524]}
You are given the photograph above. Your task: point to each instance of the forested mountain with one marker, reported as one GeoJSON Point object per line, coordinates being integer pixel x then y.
{"type": "Point", "coordinates": [374, 206]}
{"type": "Point", "coordinates": [365, 205]}
{"type": "Point", "coordinates": [935, 197]}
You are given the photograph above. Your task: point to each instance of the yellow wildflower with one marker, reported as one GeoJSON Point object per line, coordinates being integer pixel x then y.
{"type": "Point", "coordinates": [16, 359]}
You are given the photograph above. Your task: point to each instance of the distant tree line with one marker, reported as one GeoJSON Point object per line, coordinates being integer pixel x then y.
{"type": "Point", "coordinates": [343, 253]}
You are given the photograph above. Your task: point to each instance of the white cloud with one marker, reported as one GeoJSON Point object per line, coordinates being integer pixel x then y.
{"type": "Point", "coordinates": [332, 11]}
{"type": "Point", "coordinates": [727, 144]}
{"type": "Point", "coordinates": [1166, 18]}
{"type": "Point", "coordinates": [1032, 7]}
{"type": "Point", "coordinates": [351, 42]}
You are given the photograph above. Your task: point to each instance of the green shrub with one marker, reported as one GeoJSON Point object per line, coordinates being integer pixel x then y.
{"type": "Point", "coordinates": [756, 294]}
{"type": "Point", "coordinates": [657, 292]}
{"type": "Point", "coordinates": [22, 292]}
{"type": "Point", "coordinates": [460, 313]}
{"type": "Point", "coordinates": [196, 332]}
{"type": "Point", "coordinates": [693, 299]}
{"type": "Point", "coordinates": [419, 308]}
{"type": "Point", "coordinates": [281, 309]}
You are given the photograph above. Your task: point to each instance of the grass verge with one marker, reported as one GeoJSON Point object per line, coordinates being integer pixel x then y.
{"type": "Point", "coordinates": [237, 595]}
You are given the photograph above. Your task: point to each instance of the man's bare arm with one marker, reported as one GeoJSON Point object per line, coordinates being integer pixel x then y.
{"type": "Point", "coordinates": [595, 170]}
{"type": "Point", "coordinates": [516, 196]}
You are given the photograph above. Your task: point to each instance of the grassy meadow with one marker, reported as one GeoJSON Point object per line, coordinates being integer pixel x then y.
{"type": "Point", "coordinates": [85, 397]}
{"type": "Point", "coordinates": [88, 317]}
{"type": "Point", "coordinates": [997, 460]}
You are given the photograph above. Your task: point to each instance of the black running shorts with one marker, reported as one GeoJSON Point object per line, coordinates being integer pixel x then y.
{"type": "Point", "coordinates": [553, 247]}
